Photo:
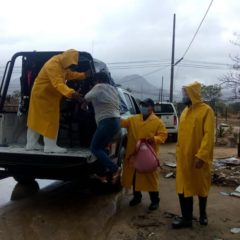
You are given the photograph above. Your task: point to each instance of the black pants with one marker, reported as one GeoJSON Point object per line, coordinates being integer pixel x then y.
{"type": "Point", "coordinates": [186, 204]}
{"type": "Point", "coordinates": [154, 196]}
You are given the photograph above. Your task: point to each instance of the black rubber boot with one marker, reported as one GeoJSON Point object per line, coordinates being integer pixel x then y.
{"type": "Point", "coordinates": [137, 195]}
{"type": "Point", "coordinates": [185, 221]}
{"type": "Point", "coordinates": [154, 196]}
{"type": "Point", "coordinates": [203, 220]}
{"type": "Point", "coordinates": [137, 198]}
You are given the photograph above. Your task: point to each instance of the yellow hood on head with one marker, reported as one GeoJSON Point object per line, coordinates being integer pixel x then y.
{"type": "Point", "coordinates": [194, 92]}
{"type": "Point", "coordinates": [69, 57]}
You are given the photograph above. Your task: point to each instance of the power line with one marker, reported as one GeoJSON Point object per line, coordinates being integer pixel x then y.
{"type": "Point", "coordinates": [194, 36]}
{"type": "Point", "coordinates": [141, 61]}
{"type": "Point", "coordinates": [183, 64]}
{"type": "Point", "coordinates": [146, 74]}
{"type": "Point", "coordinates": [148, 63]}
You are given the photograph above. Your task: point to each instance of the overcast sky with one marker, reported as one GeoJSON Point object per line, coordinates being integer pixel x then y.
{"type": "Point", "coordinates": [123, 31]}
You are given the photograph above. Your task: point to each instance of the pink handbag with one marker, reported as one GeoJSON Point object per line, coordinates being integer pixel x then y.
{"type": "Point", "coordinates": [145, 159]}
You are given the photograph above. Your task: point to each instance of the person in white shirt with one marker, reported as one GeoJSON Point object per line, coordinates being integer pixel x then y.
{"type": "Point", "coordinates": [105, 100]}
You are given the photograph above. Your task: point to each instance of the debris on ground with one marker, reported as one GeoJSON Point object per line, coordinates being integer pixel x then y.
{"type": "Point", "coordinates": [225, 193]}
{"type": "Point", "coordinates": [235, 193]}
{"type": "Point", "coordinates": [237, 189]}
{"type": "Point", "coordinates": [169, 215]}
{"type": "Point", "coordinates": [232, 161]}
{"type": "Point", "coordinates": [144, 221]}
{"type": "Point", "coordinates": [226, 171]}
{"type": "Point", "coordinates": [169, 175]}
{"type": "Point", "coordinates": [170, 164]}
{"type": "Point", "coordinates": [235, 230]}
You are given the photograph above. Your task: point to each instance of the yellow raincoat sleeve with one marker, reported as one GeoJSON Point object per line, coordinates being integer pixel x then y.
{"type": "Point", "coordinates": [208, 138]}
{"type": "Point", "coordinates": [75, 75]}
{"type": "Point", "coordinates": [161, 135]}
{"type": "Point", "coordinates": [125, 123]}
{"type": "Point", "coordinates": [57, 80]}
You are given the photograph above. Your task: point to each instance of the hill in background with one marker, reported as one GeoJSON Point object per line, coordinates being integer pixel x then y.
{"type": "Point", "coordinates": [141, 88]}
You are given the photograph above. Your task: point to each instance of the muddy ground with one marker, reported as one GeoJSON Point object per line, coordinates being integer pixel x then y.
{"type": "Point", "coordinates": [67, 211]}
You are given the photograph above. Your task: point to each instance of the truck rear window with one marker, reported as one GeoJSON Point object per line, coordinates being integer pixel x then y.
{"type": "Point", "coordinates": [163, 108]}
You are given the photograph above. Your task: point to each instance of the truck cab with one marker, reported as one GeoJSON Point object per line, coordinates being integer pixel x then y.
{"type": "Point", "coordinates": [76, 130]}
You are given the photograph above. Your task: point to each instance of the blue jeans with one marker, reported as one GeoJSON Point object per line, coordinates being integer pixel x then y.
{"type": "Point", "coordinates": [106, 130]}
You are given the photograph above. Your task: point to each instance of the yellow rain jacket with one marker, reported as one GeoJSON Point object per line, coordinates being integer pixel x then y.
{"type": "Point", "coordinates": [140, 129]}
{"type": "Point", "coordinates": [47, 91]}
{"type": "Point", "coordinates": [195, 139]}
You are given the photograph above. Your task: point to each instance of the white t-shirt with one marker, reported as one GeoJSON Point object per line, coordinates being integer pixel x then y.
{"type": "Point", "coordinates": [105, 100]}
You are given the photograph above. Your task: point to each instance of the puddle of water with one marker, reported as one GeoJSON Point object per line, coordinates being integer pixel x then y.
{"type": "Point", "coordinates": [7, 185]}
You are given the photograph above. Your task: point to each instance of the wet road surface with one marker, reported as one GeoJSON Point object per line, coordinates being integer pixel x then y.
{"type": "Point", "coordinates": [7, 187]}
{"type": "Point", "coordinates": [76, 211]}
{"type": "Point", "coordinates": [57, 211]}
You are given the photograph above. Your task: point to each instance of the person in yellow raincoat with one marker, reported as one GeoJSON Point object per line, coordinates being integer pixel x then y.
{"type": "Point", "coordinates": [143, 126]}
{"type": "Point", "coordinates": [47, 91]}
{"type": "Point", "coordinates": [194, 154]}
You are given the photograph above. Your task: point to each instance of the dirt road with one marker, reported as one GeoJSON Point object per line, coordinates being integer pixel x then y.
{"type": "Point", "coordinates": [137, 223]}
{"type": "Point", "coordinates": [66, 211]}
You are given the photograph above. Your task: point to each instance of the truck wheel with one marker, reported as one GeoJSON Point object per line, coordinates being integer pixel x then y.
{"type": "Point", "coordinates": [24, 180]}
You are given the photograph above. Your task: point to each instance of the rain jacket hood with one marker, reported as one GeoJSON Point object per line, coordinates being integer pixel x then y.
{"type": "Point", "coordinates": [69, 57]}
{"type": "Point", "coordinates": [194, 92]}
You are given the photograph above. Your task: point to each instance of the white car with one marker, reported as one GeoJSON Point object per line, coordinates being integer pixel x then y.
{"type": "Point", "coordinates": [167, 112]}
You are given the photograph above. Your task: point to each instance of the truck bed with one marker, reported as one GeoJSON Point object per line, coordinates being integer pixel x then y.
{"type": "Point", "coordinates": [16, 161]}
{"type": "Point", "coordinates": [72, 152]}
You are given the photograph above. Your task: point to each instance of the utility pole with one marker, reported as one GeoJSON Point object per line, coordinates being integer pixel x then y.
{"type": "Point", "coordinates": [162, 90]}
{"type": "Point", "coordinates": [160, 96]}
{"type": "Point", "coordinates": [172, 60]}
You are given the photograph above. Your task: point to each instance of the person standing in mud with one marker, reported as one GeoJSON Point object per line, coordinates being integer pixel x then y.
{"type": "Point", "coordinates": [149, 127]}
{"type": "Point", "coordinates": [194, 155]}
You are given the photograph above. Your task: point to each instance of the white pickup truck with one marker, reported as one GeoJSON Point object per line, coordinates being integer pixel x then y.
{"type": "Point", "coordinates": [167, 112]}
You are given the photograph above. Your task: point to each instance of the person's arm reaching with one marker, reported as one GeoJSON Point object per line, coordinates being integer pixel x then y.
{"type": "Point", "coordinates": [58, 81]}
{"type": "Point", "coordinates": [125, 122]}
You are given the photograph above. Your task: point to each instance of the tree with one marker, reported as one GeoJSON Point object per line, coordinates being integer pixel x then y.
{"type": "Point", "coordinates": [232, 78]}
{"type": "Point", "coordinates": [211, 93]}
{"type": "Point", "coordinates": [234, 107]}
